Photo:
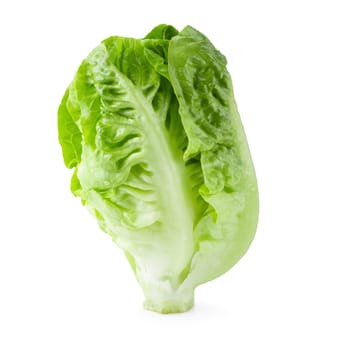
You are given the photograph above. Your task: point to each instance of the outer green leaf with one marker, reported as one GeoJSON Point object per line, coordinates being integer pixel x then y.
{"type": "Point", "coordinates": [131, 174]}
{"type": "Point", "coordinates": [162, 31]}
{"type": "Point", "coordinates": [69, 135]}
{"type": "Point", "coordinates": [215, 133]}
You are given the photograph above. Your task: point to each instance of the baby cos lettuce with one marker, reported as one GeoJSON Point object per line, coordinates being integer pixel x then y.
{"type": "Point", "coordinates": [160, 158]}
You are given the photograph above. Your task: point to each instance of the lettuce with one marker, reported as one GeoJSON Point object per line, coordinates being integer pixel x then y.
{"type": "Point", "coordinates": [151, 128]}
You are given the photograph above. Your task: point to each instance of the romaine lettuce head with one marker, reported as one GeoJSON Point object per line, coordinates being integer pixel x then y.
{"type": "Point", "coordinates": [151, 128]}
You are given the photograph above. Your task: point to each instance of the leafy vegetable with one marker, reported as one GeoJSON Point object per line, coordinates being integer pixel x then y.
{"type": "Point", "coordinates": [152, 130]}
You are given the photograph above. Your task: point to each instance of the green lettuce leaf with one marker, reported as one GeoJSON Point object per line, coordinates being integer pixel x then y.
{"type": "Point", "coordinates": [215, 133]}
{"type": "Point", "coordinates": [161, 159]}
{"type": "Point", "coordinates": [69, 135]}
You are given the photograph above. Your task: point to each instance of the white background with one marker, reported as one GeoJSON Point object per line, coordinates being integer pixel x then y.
{"type": "Point", "coordinates": [65, 285]}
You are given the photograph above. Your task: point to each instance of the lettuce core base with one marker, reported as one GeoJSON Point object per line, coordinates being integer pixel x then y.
{"type": "Point", "coordinates": [173, 304]}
